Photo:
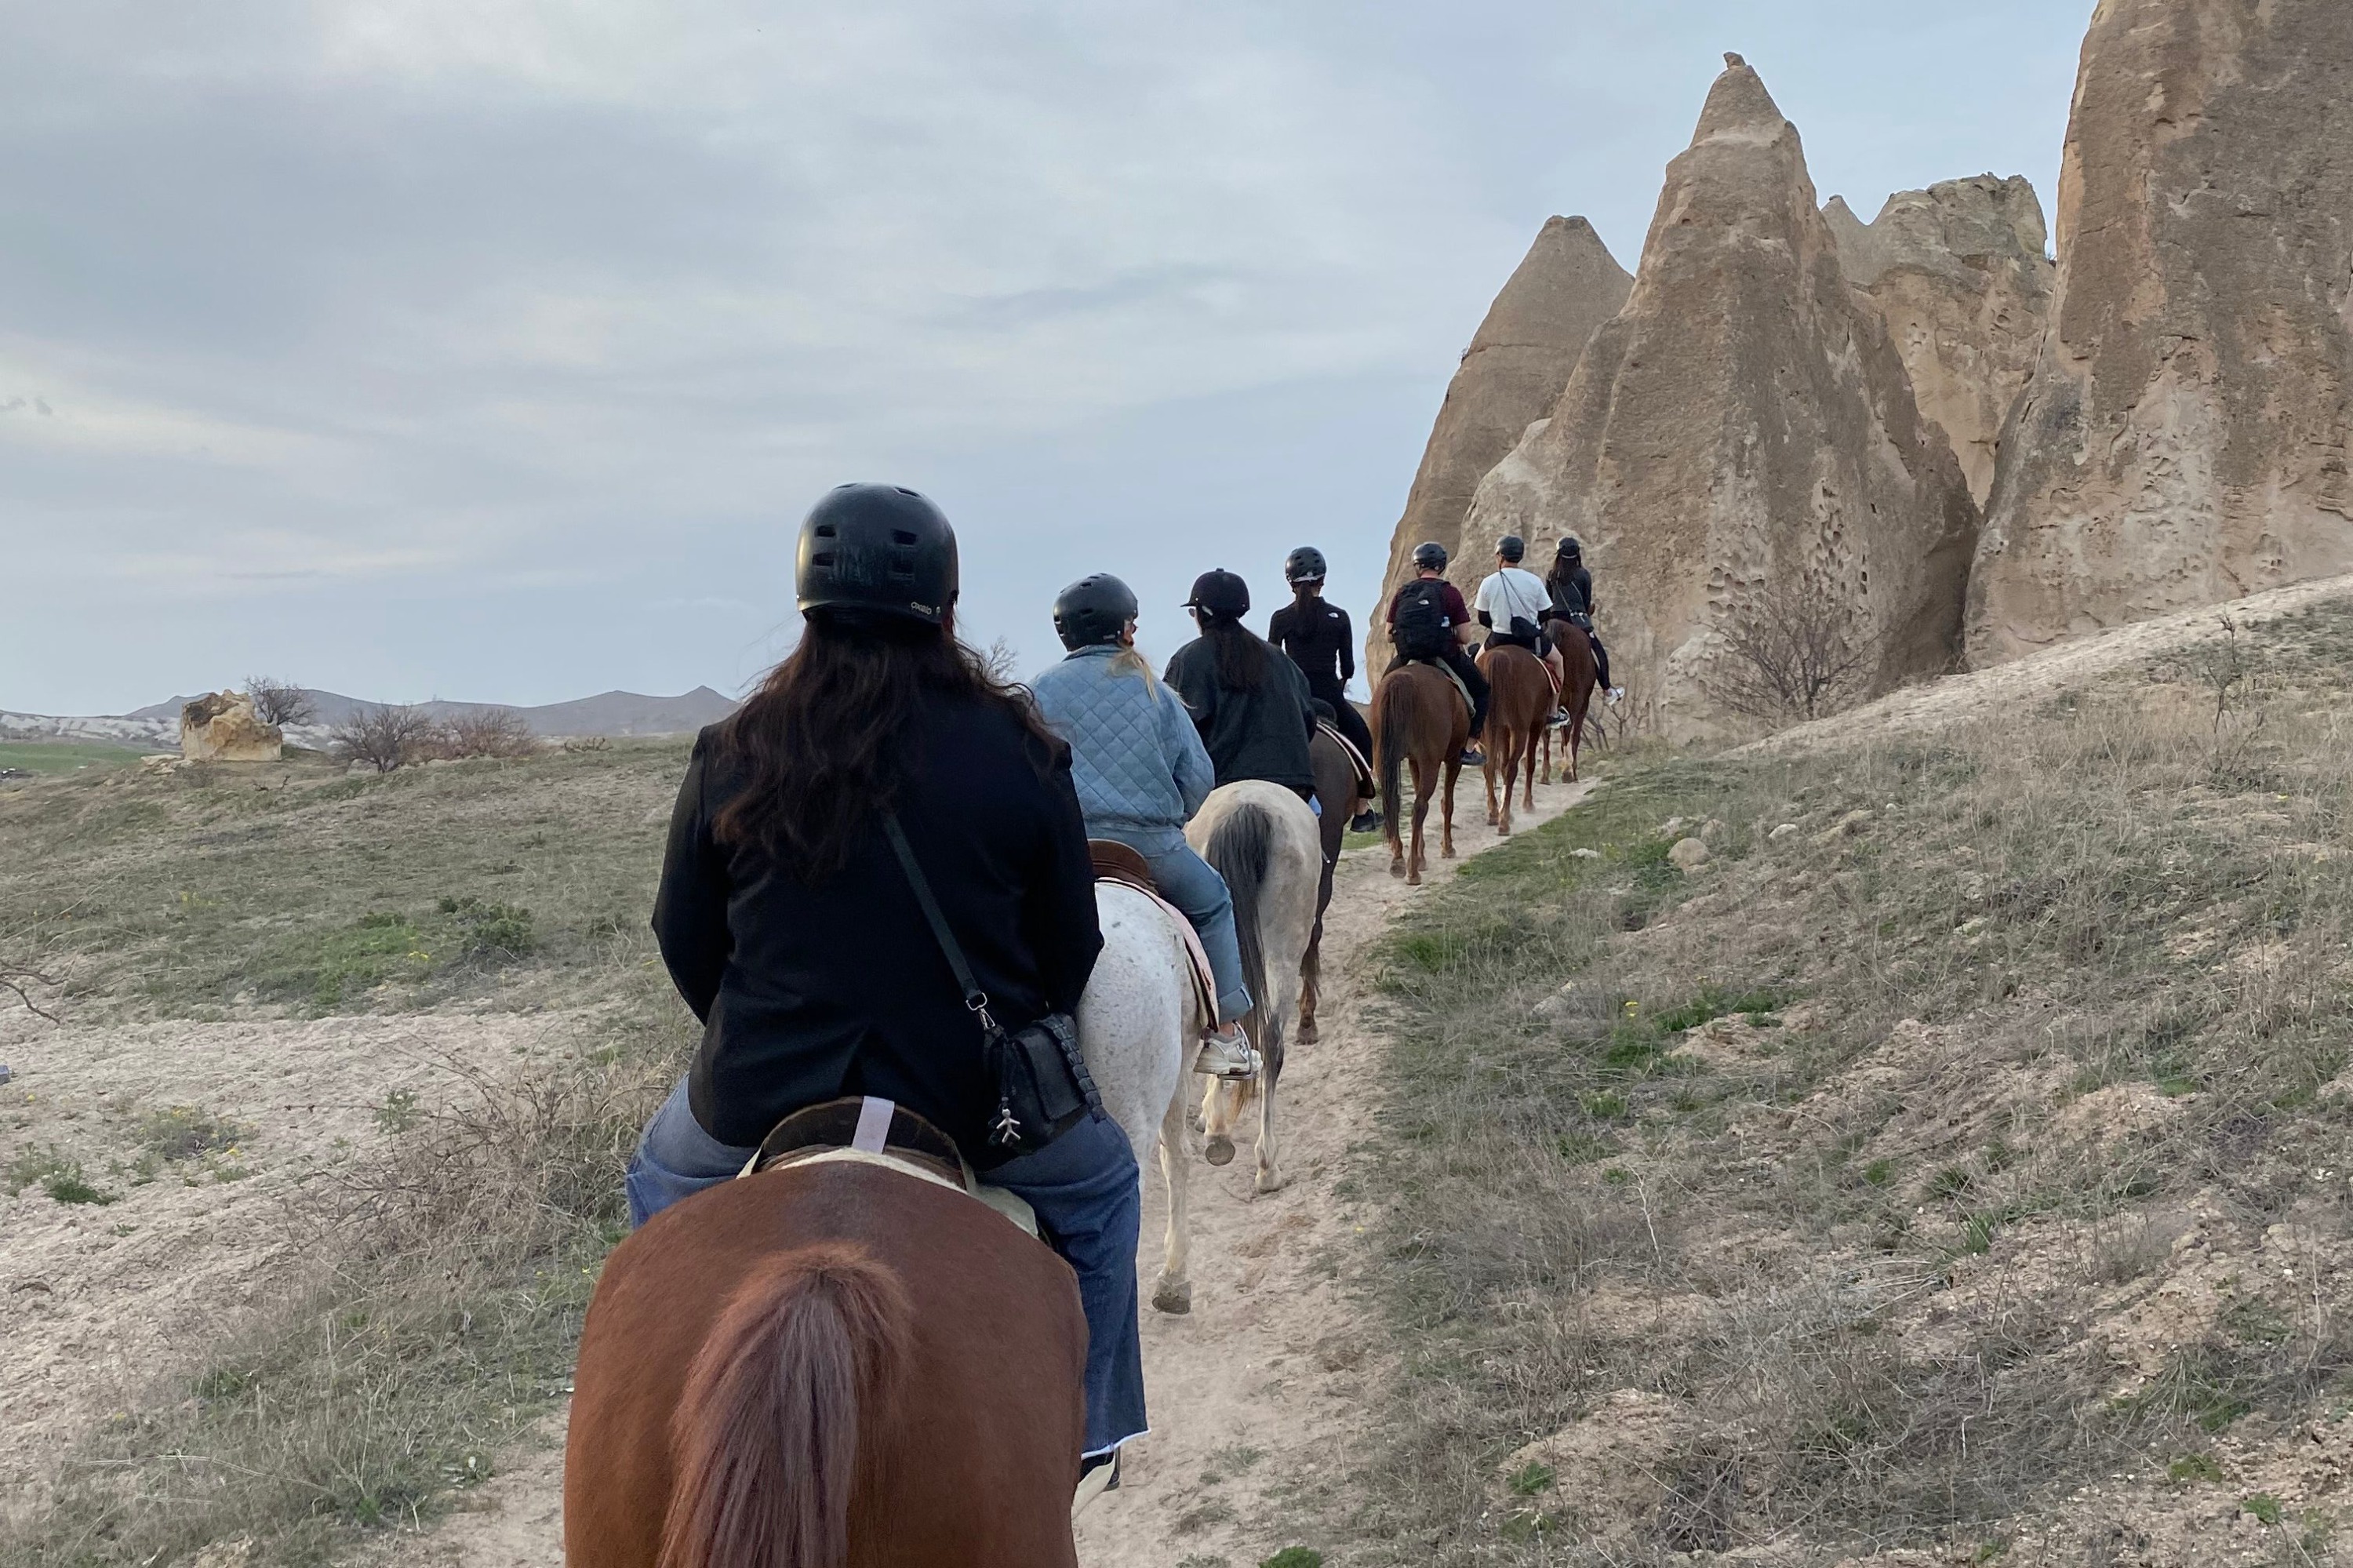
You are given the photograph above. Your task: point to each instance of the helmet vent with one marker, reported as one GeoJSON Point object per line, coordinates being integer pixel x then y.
{"type": "Point", "coordinates": [826, 531]}
{"type": "Point", "coordinates": [902, 536]}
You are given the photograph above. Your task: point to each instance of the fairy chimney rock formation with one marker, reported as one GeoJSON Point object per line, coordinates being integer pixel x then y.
{"type": "Point", "coordinates": [1743, 429]}
{"type": "Point", "coordinates": [221, 726]}
{"type": "Point", "coordinates": [2183, 437]}
{"type": "Point", "coordinates": [1566, 286]}
{"type": "Point", "coordinates": [1959, 274]}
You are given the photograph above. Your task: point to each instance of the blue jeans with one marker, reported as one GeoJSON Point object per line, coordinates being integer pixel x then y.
{"type": "Point", "coordinates": [1194, 885]}
{"type": "Point", "coordinates": [1090, 1205]}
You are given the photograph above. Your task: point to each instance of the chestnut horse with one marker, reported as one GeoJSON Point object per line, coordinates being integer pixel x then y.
{"type": "Point", "coordinates": [1578, 674]}
{"type": "Point", "coordinates": [1418, 716]}
{"type": "Point", "coordinates": [828, 1366]}
{"type": "Point", "coordinates": [1517, 711]}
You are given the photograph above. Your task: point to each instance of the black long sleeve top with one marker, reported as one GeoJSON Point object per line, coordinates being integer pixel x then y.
{"type": "Point", "coordinates": [1319, 641]}
{"type": "Point", "coordinates": [1257, 734]}
{"type": "Point", "coordinates": [806, 994]}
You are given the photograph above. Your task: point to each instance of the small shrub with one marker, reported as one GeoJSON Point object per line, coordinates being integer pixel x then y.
{"type": "Point", "coordinates": [69, 1185]}
{"type": "Point", "coordinates": [385, 738]}
{"type": "Point", "coordinates": [398, 1112]}
{"type": "Point", "coordinates": [1532, 1478]}
{"type": "Point", "coordinates": [2193, 1467]}
{"type": "Point", "coordinates": [489, 930]}
{"type": "Point", "coordinates": [280, 701]}
{"type": "Point", "coordinates": [493, 732]}
{"type": "Point", "coordinates": [2264, 1507]}
{"type": "Point", "coordinates": [1293, 1557]}
{"type": "Point", "coordinates": [186, 1132]}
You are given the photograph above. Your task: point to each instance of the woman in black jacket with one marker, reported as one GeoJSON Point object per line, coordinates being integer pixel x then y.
{"type": "Point", "coordinates": [792, 931]}
{"type": "Point", "coordinates": [1315, 633]}
{"type": "Point", "coordinates": [1250, 702]}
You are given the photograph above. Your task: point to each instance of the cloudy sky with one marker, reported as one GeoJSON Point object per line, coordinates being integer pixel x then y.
{"type": "Point", "coordinates": [491, 349]}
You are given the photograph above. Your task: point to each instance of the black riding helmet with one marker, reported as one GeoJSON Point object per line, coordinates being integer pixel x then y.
{"type": "Point", "coordinates": [1303, 565]}
{"type": "Point", "coordinates": [1429, 557]}
{"type": "Point", "coordinates": [1570, 550]}
{"type": "Point", "coordinates": [877, 547]}
{"type": "Point", "coordinates": [1511, 547]}
{"type": "Point", "coordinates": [1220, 592]}
{"type": "Point", "coordinates": [1093, 610]}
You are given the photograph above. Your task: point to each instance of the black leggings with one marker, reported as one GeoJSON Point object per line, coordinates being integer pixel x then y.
{"type": "Point", "coordinates": [1561, 626]}
{"type": "Point", "coordinates": [1350, 722]}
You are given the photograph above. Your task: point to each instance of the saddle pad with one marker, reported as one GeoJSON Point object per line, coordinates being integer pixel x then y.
{"type": "Point", "coordinates": [1014, 1208]}
{"type": "Point", "coordinates": [1454, 680]}
{"type": "Point", "coordinates": [1355, 759]}
{"type": "Point", "coordinates": [1205, 985]}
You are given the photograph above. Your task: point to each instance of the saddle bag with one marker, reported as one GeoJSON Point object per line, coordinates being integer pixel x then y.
{"type": "Point", "coordinates": [1042, 1085]}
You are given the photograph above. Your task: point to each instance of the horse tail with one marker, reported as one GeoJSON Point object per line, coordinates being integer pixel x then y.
{"type": "Point", "coordinates": [807, 1351]}
{"type": "Point", "coordinates": [1392, 714]}
{"type": "Point", "coordinates": [1240, 849]}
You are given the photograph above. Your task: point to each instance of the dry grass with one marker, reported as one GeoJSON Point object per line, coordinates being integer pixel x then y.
{"type": "Point", "coordinates": [1870, 1148]}
{"type": "Point", "coordinates": [433, 1317]}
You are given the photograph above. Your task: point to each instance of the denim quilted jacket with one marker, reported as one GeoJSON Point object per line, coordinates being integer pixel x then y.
{"type": "Point", "coordinates": [1137, 758]}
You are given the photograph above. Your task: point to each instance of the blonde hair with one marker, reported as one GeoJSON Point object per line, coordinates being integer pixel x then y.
{"type": "Point", "coordinates": [1131, 658]}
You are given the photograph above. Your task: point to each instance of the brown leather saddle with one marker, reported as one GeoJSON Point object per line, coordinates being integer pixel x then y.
{"type": "Point", "coordinates": [1116, 862]}
{"type": "Point", "coordinates": [861, 1122]}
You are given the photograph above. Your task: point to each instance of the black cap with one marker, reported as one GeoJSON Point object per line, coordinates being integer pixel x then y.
{"type": "Point", "coordinates": [1220, 592]}
{"type": "Point", "coordinates": [1569, 550]}
{"type": "Point", "coordinates": [878, 547]}
{"type": "Point", "coordinates": [1093, 610]}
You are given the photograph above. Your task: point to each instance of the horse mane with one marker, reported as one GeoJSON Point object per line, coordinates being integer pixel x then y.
{"type": "Point", "coordinates": [767, 1429]}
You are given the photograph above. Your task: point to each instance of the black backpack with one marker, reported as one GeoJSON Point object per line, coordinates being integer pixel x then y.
{"type": "Point", "coordinates": [1419, 628]}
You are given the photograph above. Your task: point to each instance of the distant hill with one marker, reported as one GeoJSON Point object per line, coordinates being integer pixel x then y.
{"type": "Point", "coordinates": [608, 713]}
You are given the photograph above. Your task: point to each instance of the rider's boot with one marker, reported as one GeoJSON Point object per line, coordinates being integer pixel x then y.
{"type": "Point", "coordinates": [1227, 1053]}
{"type": "Point", "coordinates": [1366, 820]}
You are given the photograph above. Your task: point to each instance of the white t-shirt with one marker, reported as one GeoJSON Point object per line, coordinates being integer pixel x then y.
{"type": "Point", "coordinates": [1509, 592]}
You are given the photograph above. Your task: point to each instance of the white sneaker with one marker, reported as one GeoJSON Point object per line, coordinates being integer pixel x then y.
{"type": "Point", "coordinates": [1226, 1054]}
{"type": "Point", "coordinates": [1616, 692]}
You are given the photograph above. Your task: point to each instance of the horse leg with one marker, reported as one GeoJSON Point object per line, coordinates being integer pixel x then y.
{"type": "Point", "coordinates": [1310, 991]}
{"type": "Point", "coordinates": [1174, 1290]}
{"type": "Point", "coordinates": [1502, 759]}
{"type": "Point", "coordinates": [1529, 772]}
{"type": "Point", "coordinates": [1421, 794]}
{"type": "Point", "coordinates": [1446, 823]}
{"type": "Point", "coordinates": [1221, 1108]}
{"type": "Point", "coordinates": [1271, 1178]}
{"type": "Point", "coordinates": [1495, 818]}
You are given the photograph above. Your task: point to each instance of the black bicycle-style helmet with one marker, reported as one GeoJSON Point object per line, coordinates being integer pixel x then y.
{"type": "Point", "coordinates": [1093, 610]}
{"type": "Point", "coordinates": [1220, 592]}
{"type": "Point", "coordinates": [1511, 547]}
{"type": "Point", "coordinates": [876, 548]}
{"type": "Point", "coordinates": [1303, 565]}
{"type": "Point", "coordinates": [1570, 550]}
{"type": "Point", "coordinates": [1429, 557]}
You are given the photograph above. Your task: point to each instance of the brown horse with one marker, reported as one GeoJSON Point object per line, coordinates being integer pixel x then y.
{"type": "Point", "coordinates": [1335, 798]}
{"type": "Point", "coordinates": [1578, 674]}
{"type": "Point", "coordinates": [1418, 716]}
{"type": "Point", "coordinates": [827, 1366]}
{"type": "Point", "coordinates": [1517, 711]}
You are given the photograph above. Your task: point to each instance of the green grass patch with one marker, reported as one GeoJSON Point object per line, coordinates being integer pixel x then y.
{"type": "Point", "coordinates": [61, 756]}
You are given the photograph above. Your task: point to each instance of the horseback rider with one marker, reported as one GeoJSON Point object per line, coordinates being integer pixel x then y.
{"type": "Point", "coordinates": [1427, 620]}
{"type": "Point", "coordinates": [1511, 603]}
{"type": "Point", "coordinates": [792, 930]}
{"type": "Point", "coordinates": [1316, 635]}
{"type": "Point", "coordinates": [1142, 772]}
{"type": "Point", "coordinates": [1570, 588]}
{"type": "Point", "coordinates": [1251, 703]}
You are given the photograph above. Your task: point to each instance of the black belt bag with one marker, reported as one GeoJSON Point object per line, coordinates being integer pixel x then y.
{"type": "Point", "coordinates": [1042, 1087]}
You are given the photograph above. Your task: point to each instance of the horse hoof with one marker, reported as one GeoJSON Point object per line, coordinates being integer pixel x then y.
{"type": "Point", "coordinates": [1308, 1033]}
{"type": "Point", "coordinates": [1219, 1151]}
{"type": "Point", "coordinates": [1174, 1297]}
{"type": "Point", "coordinates": [1272, 1180]}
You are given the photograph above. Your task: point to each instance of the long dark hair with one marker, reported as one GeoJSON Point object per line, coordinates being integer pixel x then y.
{"type": "Point", "coordinates": [826, 741]}
{"type": "Point", "coordinates": [1242, 654]}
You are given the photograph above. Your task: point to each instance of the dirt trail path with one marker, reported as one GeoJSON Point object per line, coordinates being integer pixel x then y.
{"type": "Point", "coordinates": [1256, 1389]}
{"type": "Point", "coordinates": [1252, 1392]}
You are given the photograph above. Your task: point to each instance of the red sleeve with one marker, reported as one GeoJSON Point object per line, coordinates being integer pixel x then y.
{"type": "Point", "coordinates": [1456, 613]}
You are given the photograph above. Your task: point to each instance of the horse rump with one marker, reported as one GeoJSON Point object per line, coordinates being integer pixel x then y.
{"type": "Point", "coordinates": [767, 1435]}
{"type": "Point", "coordinates": [1392, 724]}
{"type": "Point", "coordinates": [1241, 849]}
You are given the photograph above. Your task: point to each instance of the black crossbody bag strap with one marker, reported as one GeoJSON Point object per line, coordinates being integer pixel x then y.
{"type": "Point", "coordinates": [974, 996]}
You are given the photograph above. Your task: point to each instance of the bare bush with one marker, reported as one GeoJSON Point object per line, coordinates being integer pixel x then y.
{"type": "Point", "coordinates": [493, 732]}
{"type": "Point", "coordinates": [1797, 650]}
{"type": "Point", "coordinates": [384, 737]}
{"type": "Point", "coordinates": [280, 701]}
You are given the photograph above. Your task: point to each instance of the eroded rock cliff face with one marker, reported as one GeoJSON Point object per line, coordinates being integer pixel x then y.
{"type": "Point", "coordinates": [1566, 286]}
{"type": "Point", "coordinates": [1958, 272]}
{"type": "Point", "coordinates": [2183, 438]}
{"type": "Point", "coordinates": [1744, 427]}
{"type": "Point", "coordinates": [221, 726]}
